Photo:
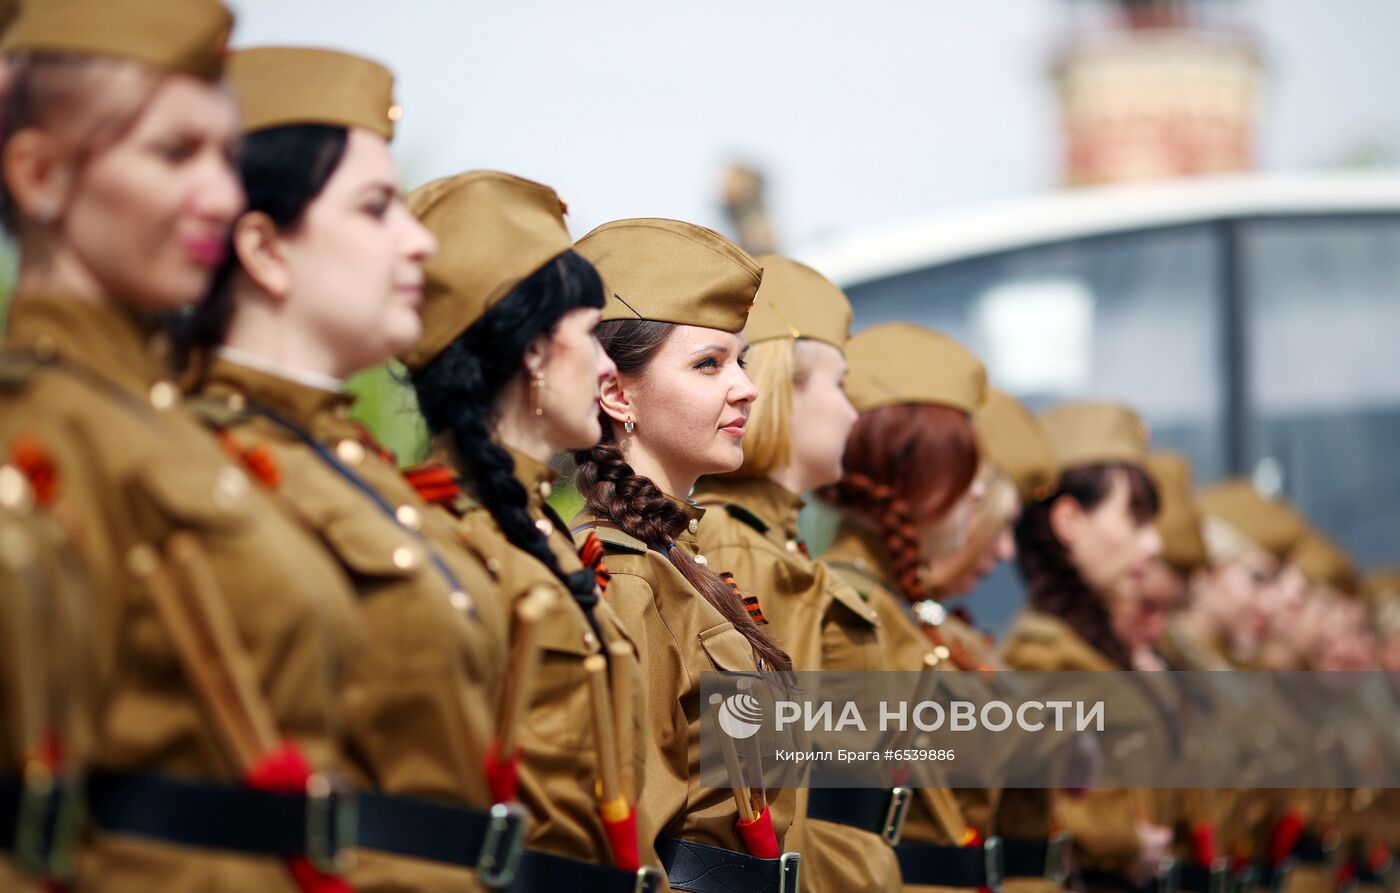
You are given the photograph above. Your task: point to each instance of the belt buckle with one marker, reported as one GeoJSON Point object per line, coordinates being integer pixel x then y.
{"type": "Point", "coordinates": [992, 863]}
{"type": "Point", "coordinates": [1246, 876]}
{"type": "Point", "coordinates": [500, 850]}
{"type": "Point", "coordinates": [648, 880]}
{"type": "Point", "coordinates": [1281, 873]}
{"type": "Point", "coordinates": [789, 867]}
{"type": "Point", "coordinates": [332, 824]}
{"type": "Point", "coordinates": [1058, 850]}
{"type": "Point", "coordinates": [895, 815]}
{"type": "Point", "coordinates": [46, 801]}
{"type": "Point", "coordinates": [1168, 876]}
{"type": "Point", "coordinates": [1219, 881]}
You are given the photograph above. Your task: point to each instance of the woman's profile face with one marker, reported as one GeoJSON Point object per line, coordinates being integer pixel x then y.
{"type": "Point", "coordinates": [691, 402]}
{"type": "Point", "coordinates": [1108, 544]}
{"type": "Point", "coordinates": [147, 217]}
{"type": "Point", "coordinates": [822, 416]}
{"type": "Point", "coordinates": [574, 369]}
{"type": "Point", "coordinates": [355, 261]}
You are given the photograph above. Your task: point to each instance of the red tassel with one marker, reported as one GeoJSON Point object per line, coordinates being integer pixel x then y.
{"type": "Point", "coordinates": [501, 775]}
{"type": "Point", "coordinates": [759, 837]}
{"type": "Point", "coordinates": [1204, 845]}
{"type": "Point", "coordinates": [38, 467]}
{"type": "Point", "coordinates": [591, 553]}
{"type": "Point", "coordinates": [620, 824]}
{"type": "Point", "coordinates": [1284, 838]}
{"type": "Point", "coordinates": [285, 769]}
{"type": "Point", "coordinates": [435, 482]}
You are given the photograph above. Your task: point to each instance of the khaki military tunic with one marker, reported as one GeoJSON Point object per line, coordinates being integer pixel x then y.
{"type": "Point", "coordinates": [85, 379]}
{"type": "Point", "coordinates": [418, 690]}
{"type": "Point", "coordinates": [679, 636]}
{"type": "Point", "coordinates": [558, 773]}
{"type": "Point", "coordinates": [859, 557]}
{"type": "Point", "coordinates": [750, 530]}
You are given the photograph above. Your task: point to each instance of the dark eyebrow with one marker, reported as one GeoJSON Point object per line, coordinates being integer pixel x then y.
{"type": "Point", "coordinates": [708, 347]}
{"type": "Point", "coordinates": [380, 186]}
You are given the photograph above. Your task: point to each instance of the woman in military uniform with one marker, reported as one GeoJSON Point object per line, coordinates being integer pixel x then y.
{"type": "Point", "coordinates": [1076, 549]}
{"type": "Point", "coordinates": [507, 376]}
{"type": "Point", "coordinates": [677, 408]}
{"type": "Point", "coordinates": [906, 496]}
{"type": "Point", "coordinates": [324, 280]}
{"type": "Point", "coordinates": [794, 439]}
{"type": "Point", "coordinates": [213, 611]}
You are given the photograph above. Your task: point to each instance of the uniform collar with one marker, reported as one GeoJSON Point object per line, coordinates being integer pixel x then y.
{"type": "Point", "coordinates": [300, 376]}
{"type": "Point", "coordinates": [861, 548]}
{"type": "Point", "coordinates": [112, 342]}
{"type": "Point", "coordinates": [536, 477]}
{"type": "Point", "coordinates": [693, 513]}
{"type": "Point", "coordinates": [323, 413]}
{"type": "Point", "coordinates": [772, 503]}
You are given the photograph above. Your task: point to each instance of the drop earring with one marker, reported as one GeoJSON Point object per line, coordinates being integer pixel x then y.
{"type": "Point", "coordinates": [629, 426]}
{"type": "Point", "coordinates": [537, 394]}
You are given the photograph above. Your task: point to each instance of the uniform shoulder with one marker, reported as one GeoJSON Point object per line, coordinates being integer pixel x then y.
{"type": "Point", "coordinates": [216, 413]}
{"type": "Point", "coordinates": [613, 540]}
{"type": "Point", "coordinates": [1041, 642]}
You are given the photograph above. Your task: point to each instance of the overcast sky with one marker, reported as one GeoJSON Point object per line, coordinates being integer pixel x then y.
{"type": "Point", "coordinates": [861, 112]}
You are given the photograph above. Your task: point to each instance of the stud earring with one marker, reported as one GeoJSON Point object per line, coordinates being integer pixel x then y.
{"type": "Point", "coordinates": [536, 394]}
{"type": "Point", "coordinates": [629, 426]}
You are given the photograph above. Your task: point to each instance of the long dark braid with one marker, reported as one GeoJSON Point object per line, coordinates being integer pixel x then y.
{"type": "Point", "coordinates": [1055, 584]}
{"type": "Point", "coordinates": [614, 492]}
{"type": "Point", "coordinates": [458, 391]}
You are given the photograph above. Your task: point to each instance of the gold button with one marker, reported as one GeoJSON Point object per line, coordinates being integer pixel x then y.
{"type": "Point", "coordinates": [589, 640]}
{"type": "Point", "coordinates": [164, 395]}
{"type": "Point", "coordinates": [460, 600]}
{"type": "Point", "coordinates": [141, 560]}
{"type": "Point", "coordinates": [395, 112]}
{"type": "Point", "coordinates": [694, 525]}
{"type": "Point", "coordinates": [405, 558]}
{"type": "Point", "coordinates": [791, 545]}
{"type": "Point", "coordinates": [44, 348]}
{"type": "Point", "coordinates": [859, 564]}
{"type": "Point", "coordinates": [701, 560]}
{"type": "Point", "coordinates": [237, 402]}
{"type": "Point", "coordinates": [942, 652]}
{"type": "Point", "coordinates": [409, 517]}
{"type": "Point", "coordinates": [874, 617]}
{"type": "Point", "coordinates": [15, 492]}
{"type": "Point", "coordinates": [545, 526]}
{"type": "Point", "coordinates": [351, 452]}
{"type": "Point", "coordinates": [546, 490]}
{"type": "Point", "coordinates": [230, 488]}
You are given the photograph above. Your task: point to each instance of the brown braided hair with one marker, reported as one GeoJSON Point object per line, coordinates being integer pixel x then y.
{"type": "Point", "coordinates": [1056, 587]}
{"type": "Point", "coordinates": [614, 492]}
{"type": "Point", "coordinates": [906, 465]}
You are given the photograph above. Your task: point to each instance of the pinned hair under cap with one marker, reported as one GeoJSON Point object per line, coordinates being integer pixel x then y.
{"type": "Point", "coordinates": [285, 86]}
{"type": "Point", "coordinates": [670, 271]}
{"type": "Point", "coordinates": [1094, 433]}
{"type": "Point", "coordinates": [1013, 441]}
{"type": "Point", "coordinates": [795, 301]}
{"type": "Point", "coordinates": [1324, 563]}
{"type": "Point", "coordinates": [189, 36]}
{"type": "Point", "coordinates": [1177, 521]}
{"type": "Point", "coordinates": [901, 362]}
{"type": "Point", "coordinates": [1266, 523]}
{"type": "Point", "coordinates": [494, 230]}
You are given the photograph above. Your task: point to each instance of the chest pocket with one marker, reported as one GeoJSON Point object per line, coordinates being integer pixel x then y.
{"type": "Point", "coordinates": [561, 703]}
{"type": "Point", "coordinates": [198, 492]}
{"type": "Point", "coordinates": [727, 648]}
{"type": "Point", "coordinates": [372, 546]}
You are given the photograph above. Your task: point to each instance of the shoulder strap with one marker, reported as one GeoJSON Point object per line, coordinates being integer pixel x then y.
{"type": "Point", "coordinates": [744, 516]}
{"type": "Point", "coordinates": [215, 413]}
{"type": "Point", "coordinates": [612, 537]}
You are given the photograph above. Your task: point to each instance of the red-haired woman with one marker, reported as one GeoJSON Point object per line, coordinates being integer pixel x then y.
{"type": "Point", "coordinates": [905, 498]}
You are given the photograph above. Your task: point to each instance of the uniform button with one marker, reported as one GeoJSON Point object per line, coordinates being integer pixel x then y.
{"type": "Point", "coordinates": [164, 395]}
{"type": "Point", "coordinates": [44, 348]}
{"type": "Point", "coordinates": [791, 545]}
{"type": "Point", "coordinates": [546, 490]}
{"type": "Point", "coordinates": [941, 652]}
{"type": "Point", "coordinates": [589, 640]}
{"type": "Point", "coordinates": [405, 558]}
{"type": "Point", "coordinates": [701, 560]}
{"type": "Point", "coordinates": [858, 564]}
{"type": "Point", "coordinates": [15, 492]}
{"type": "Point", "coordinates": [237, 402]}
{"type": "Point", "coordinates": [874, 616]}
{"type": "Point", "coordinates": [694, 525]}
{"type": "Point", "coordinates": [230, 488]}
{"type": "Point", "coordinates": [351, 452]}
{"type": "Point", "coordinates": [409, 517]}
{"type": "Point", "coordinates": [545, 526]}
{"type": "Point", "coordinates": [141, 560]}
{"type": "Point", "coordinates": [395, 112]}
{"type": "Point", "coordinates": [460, 601]}
{"type": "Point", "coordinates": [931, 659]}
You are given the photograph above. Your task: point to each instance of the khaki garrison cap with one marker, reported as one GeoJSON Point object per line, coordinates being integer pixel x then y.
{"type": "Point", "coordinates": [669, 271]}
{"type": "Point", "coordinates": [795, 301]}
{"type": "Point", "coordinates": [1269, 524]}
{"type": "Point", "coordinates": [1325, 564]}
{"type": "Point", "coordinates": [9, 9]}
{"type": "Point", "coordinates": [1177, 521]}
{"type": "Point", "coordinates": [1382, 585]}
{"type": "Point", "coordinates": [283, 86]}
{"type": "Point", "coordinates": [900, 362]}
{"type": "Point", "coordinates": [1095, 433]}
{"type": "Point", "coordinates": [494, 231]}
{"type": "Point", "coordinates": [1012, 439]}
{"type": "Point", "coordinates": [186, 36]}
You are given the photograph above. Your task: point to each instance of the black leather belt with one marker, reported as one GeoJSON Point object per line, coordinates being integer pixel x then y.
{"type": "Point", "coordinates": [546, 873]}
{"type": "Point", "coordinates": [875, 810]}
{"type": "Point", "coordinates": [1314, 850]}
{"type": "Point", "coordinates": [1166, 881]}
{"type": "Point", "coordinates": [1264, 875]}
{"type": "Point", "coordinates": [322, 823]}
{"type": "Point", "coordinates": [951, 866]}
{"type": "Point", "coordinates": [700, 868]}
{"type": "Point", "coordinates": [1048, 858]}
{"type": "Point", "coordinates": [39, 815]}
{"type": "Point", "coordinates": [1193, 877]}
